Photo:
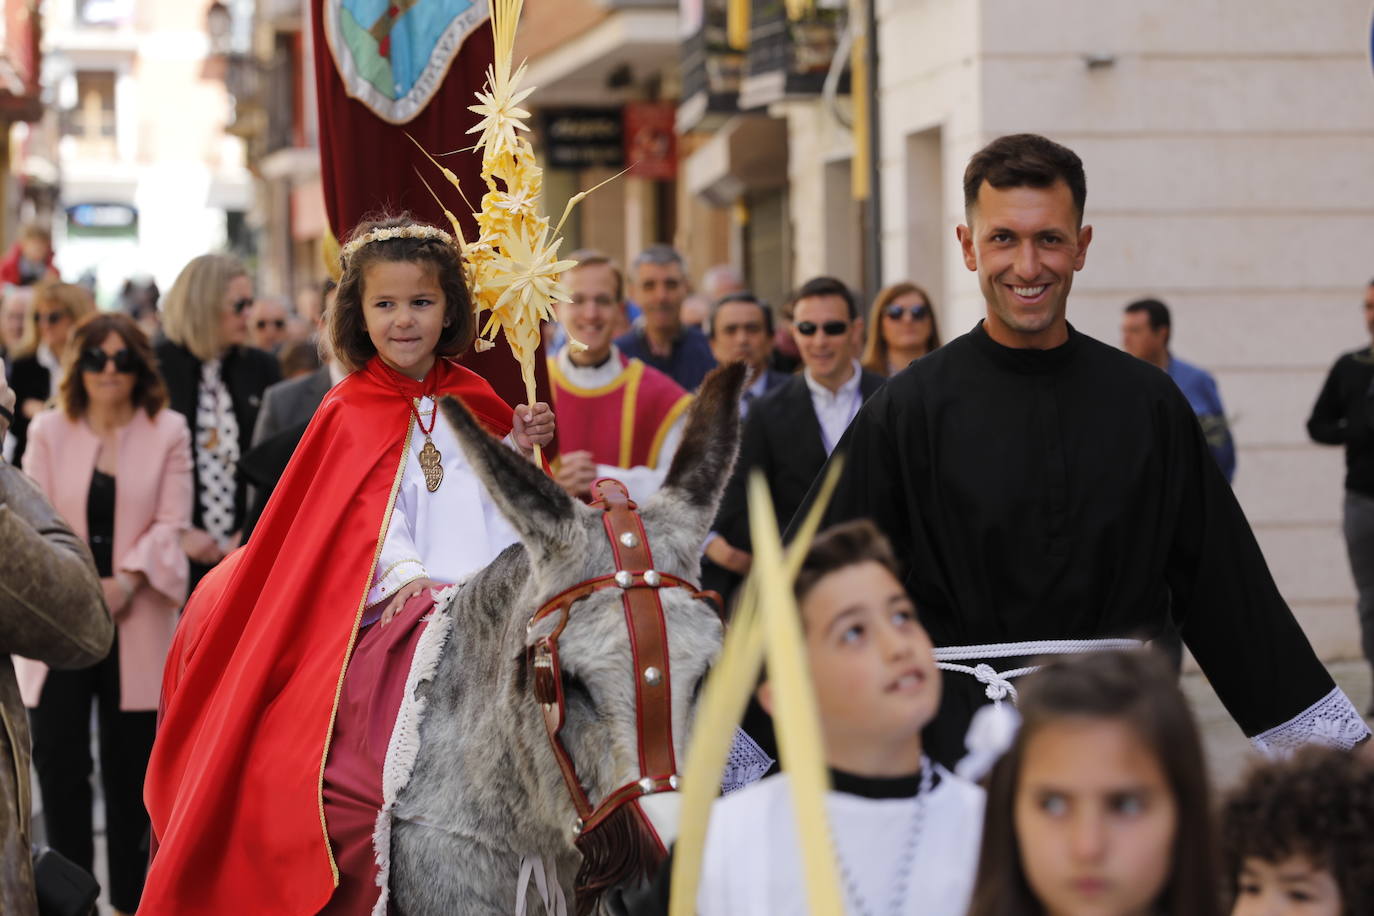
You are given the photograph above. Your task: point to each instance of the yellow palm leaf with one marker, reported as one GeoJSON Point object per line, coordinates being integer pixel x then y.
{"type": "Point", "coordinates": [722, 706]}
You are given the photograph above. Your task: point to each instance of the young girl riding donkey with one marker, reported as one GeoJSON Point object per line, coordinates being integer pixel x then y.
{"type": "Point", "coordinates": [288, 665]}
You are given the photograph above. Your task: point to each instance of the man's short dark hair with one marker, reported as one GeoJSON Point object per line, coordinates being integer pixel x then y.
{"type": "Point", "coordinates": [1158, 312]}
{"type": "Point", "coordinates": [827, 286]}
{"type": "Point", "coordinates": [1025, 161]}
{"type": "Point", "coordinates": [746, 297]}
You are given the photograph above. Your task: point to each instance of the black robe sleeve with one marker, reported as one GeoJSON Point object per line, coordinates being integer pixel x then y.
{"type": "Point", "coordinates": [1229, 609]}
{"type": "Point", "coordinates": [871, 483]}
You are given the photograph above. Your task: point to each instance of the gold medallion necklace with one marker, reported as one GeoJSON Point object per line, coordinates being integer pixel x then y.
{"type": "Point", "coordinates": [431, 461]}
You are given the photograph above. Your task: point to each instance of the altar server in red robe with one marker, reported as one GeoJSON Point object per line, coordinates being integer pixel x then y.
{"type": "Point", "coordinates": [617, 416]}
{"type": "Point", "coordinates": [377, 506]}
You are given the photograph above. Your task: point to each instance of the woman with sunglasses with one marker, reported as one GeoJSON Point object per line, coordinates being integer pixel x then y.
{"type": "Point", "coordinates": [216, 382]}
{"type": "Point", "coordinates": [117, 467]}
{"type": "Point", "coordinates": [901, 329]}
{"type": "Point", "coordinates": [56, 308]}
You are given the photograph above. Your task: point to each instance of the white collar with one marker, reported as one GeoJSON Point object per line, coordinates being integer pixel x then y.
{"type": "Point", "coordinates": [590, 376]}
{"type": "Point", "coordinates": [846, 390]}
{"type": "Point", "coordinates": [759, 385]}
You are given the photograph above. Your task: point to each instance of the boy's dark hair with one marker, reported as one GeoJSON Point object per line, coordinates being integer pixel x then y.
{"type": "Point", "coordinates": [1025, 161]}
{"type": "Point", "coordinates": [1318, 804]}
{"type": "Point", "coordinates": [841, 546]}
{"type": "Point", "coordinates": [827, 286]}
{"type": "Point", "coordinates": [1139, 689]}
{"type": "Point", "coordinates": [344, 323]}
{"type": "Point", "coordinates": [1158, 312]}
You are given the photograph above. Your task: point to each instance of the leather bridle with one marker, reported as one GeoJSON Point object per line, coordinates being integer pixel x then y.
{"type": "Point", "coordinates": [639, 584]}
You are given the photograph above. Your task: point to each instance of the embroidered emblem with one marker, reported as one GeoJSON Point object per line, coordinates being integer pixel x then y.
{"type": "Point", "coordinates": [393, 55]}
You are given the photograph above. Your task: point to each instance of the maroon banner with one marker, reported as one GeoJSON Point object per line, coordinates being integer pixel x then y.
{"type": "Point", "coordinates": [366, 161]}
{"type": "Point", "coordinates": [651, 140]}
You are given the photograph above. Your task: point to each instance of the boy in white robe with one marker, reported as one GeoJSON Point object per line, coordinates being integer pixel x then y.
{"type": "Point", "coordinates": [906, 831]}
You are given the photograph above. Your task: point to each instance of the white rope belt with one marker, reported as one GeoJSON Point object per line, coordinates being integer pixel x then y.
{"type": "Point", "coordinates": [998, 683]}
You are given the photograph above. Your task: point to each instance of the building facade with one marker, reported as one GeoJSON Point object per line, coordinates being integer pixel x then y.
{"type": "Point", "coordinates": [133, 142]}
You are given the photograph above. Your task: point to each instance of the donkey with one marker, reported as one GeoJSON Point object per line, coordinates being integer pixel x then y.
{"type": "Point", "coordinates": [485, 790]}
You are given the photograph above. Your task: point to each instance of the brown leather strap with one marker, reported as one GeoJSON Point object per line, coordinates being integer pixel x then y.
{"type": "Point", "coordinates": [648, 632]}
{"type": "Point", "coordinates": [639, 584]}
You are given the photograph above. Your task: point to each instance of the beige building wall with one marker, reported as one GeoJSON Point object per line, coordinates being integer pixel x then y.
{"type": "Point", "coordinates": [1228, 148]}
{"type": "Point", "coordinates": [169, 155]}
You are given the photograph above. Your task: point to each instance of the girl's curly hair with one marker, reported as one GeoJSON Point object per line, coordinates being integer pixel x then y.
{"type": "Point", "coordinates": [1318, 804]}
{"type": "Point", "coordinates": [344, 323]}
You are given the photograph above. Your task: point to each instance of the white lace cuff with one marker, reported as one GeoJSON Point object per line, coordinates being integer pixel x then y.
{"type": "Point", "coordinates": [393, 578]}
{"type": "Point", "coordinates": [1332, 721]}
{"type": "Point", "coordinates": [747, 763]}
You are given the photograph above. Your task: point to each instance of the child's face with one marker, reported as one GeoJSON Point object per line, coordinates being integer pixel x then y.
{"type": "Point", "coordinates": [876, 681]}
{"type": "Point", "coordinates": [1095, 819]}
{"type": "Point", "coordinates": [404, 310]}
{"type": "Point", "coordinates": [1293, 887]}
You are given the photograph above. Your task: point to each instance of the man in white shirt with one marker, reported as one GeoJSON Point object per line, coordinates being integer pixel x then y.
{"type": "Point", "coordinates": [792, 429]}
{"type": "Point", "coordinates": [617, 416]}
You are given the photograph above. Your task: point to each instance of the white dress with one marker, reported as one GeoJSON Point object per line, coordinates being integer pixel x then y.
{"type": "Point", "coordinates": [752, 864]}
{"type": "Point", "coordinates": [445, 535]}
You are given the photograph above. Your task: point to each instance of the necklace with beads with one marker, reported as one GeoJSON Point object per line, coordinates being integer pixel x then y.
{"type": "Point", "coordinates": [905, 860]}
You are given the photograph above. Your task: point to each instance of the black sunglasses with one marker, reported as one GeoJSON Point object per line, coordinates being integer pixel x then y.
{"type": "Point", "coordinates": [829, 328]}
{"type": "Point", "coordinates": [51, 318]}
{"type": "Point", "coordinates": [264, 322]}
{"type": "Point", "coordinates": [96, 359]}
{"type": "Point", "coordinates": [243, 305]}
{"type": "Point", "coordinates": [917, 312]}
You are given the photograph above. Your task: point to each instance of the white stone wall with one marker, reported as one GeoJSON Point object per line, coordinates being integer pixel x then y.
{"type": "Point", "coordinates": [1229, 149]}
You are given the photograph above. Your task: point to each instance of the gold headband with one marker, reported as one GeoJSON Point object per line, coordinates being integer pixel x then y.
{"type": "Point", "coordinates": [396, 232]}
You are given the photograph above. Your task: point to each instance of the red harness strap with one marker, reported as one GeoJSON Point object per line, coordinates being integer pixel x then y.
{"type": "Point", "coordinates": [639, 583]}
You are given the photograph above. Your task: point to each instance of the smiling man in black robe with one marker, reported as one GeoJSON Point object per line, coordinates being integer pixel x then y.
{"type": "Point", "coordinates": [1049, 493]}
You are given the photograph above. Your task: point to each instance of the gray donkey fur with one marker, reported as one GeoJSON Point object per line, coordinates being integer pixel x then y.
{"type": "Point", "coordinates": [485, 790]}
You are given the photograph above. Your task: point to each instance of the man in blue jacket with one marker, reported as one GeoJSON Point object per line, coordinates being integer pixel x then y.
{"type": "Point", "coordinates": [1145, 332]}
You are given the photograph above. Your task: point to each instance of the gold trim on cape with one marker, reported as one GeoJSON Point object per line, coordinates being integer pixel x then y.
{"type": "Point", "coordinates": [353, 639]}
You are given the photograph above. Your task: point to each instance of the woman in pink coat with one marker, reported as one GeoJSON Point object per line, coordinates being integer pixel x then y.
{"type": "Point", "coordinates": [117, 466]}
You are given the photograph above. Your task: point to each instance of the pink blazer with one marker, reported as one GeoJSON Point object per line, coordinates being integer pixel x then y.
{"type": "Point", "coordinates": [152, 509]}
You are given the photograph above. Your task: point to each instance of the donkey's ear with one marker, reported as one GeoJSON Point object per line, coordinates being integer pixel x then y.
{"type": "Point", "coordinates": [703, 462]}
{"type": "Point", "coordinates": [538, 509]}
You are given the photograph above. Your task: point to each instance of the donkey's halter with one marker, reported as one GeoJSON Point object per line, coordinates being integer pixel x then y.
{"type": "Point", "coordinates": [639, 584]}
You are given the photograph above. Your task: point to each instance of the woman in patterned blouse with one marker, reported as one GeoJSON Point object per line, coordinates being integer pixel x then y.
{"type": "Point", "coordinates": [216, 382]}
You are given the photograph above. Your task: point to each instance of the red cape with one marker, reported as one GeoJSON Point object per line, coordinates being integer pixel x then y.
{"type": "Point", "coordinates": [252, 681]}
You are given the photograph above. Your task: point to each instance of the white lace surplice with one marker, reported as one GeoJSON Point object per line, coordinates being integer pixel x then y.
{"type": "Point", "coordinates": [445, 535]}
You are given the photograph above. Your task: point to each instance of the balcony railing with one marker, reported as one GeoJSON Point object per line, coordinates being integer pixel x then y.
{"type": "Point", "coordinates": [789, 57]}
{"type": "Point", "coordinates": [711, 72]}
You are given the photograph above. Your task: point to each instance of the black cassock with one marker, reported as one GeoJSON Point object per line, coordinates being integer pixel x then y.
{"type": "Point", "coordinates": [1069, 494]}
